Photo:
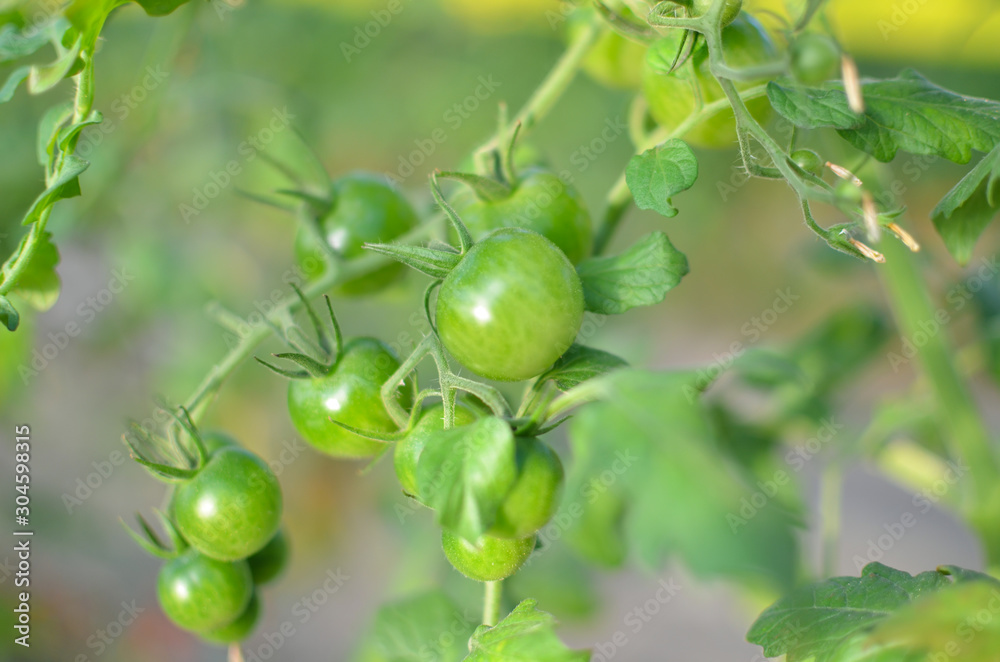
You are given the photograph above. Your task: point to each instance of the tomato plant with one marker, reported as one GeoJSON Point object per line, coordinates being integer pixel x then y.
{"type": "Point", "coordinates": [546, 421]}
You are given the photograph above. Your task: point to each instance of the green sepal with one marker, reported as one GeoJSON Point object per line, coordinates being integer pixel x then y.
{"type": "Point", "coordinates": [384, 437]}
{"type": "Point", "coordinates": [318, 205]}
{"type": "Point", "coordinates": [313, 367]}
{"type": "Point", "coordinates": [631, 30]}
{"type": "Point", "coordinates": [486, 189]}
{"type": "Point", "coordinates": [290, 374]}
{"type": "Point", "coordinates": [151, 542]}
{"type": "Point", "coordinates": [435, 263]}
{"type": "Point", "coordinates": [464, 238]}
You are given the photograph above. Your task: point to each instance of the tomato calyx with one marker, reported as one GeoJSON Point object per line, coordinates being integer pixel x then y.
{"type": "Point", "coordinates": [151, 542]}
{"type": "Point", "coordinates": [328, 347]}
{"type": "Point", "coordinates": [437, 261]}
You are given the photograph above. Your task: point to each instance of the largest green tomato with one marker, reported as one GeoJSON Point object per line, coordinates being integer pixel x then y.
{"type": "Point", "coordinates": [673, 97]}
{"type": "Point", "coordinates": [511, 307]}
{"type": "Point", "coordinates": [232, 506]}
{"type": "Point", "coordinates": [365, 209]}
{"type": "Point", "coordinates": [542, 202]}
{"type": "Point", "coordinates": [350, 394]}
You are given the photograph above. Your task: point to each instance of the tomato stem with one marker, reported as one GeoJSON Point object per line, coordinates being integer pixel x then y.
{"type": "Point", "coordinates": [491, 602]}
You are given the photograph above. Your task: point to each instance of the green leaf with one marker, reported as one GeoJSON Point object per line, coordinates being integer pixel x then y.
{"type": "Point", "coordinates": [650, 437]}
{"type": "Point", "coordinates": [965, 211]}
{"type": "Point", "coordinates": [960, 619]}
{"type": "Point", "coordinates": [464, 474]}
{"type": "Point", "coordinates": [526, 634]}
{"type": "Point", "coordinates": [15, 44]}
{"type": "Point", "coordinates": [15, 78]}
{"type": "Point", "coordinates": [812, 108]}
{"type": "Point", "coordinates": [160, 7]}
{"type": "Point", "coordinates": [48, 130]}
{"type": "Point", "coordinates": [660, 173]}
{"type": "Point", "coordinates": [579, 364]}
{"type": "Point", "coordinates": [38, 284]}
{"type": "Point", "coordinates": [68, 133]}
{"type": "Point", "coordinates": [412, 630]}
{"type": "Point", "coordinates": [9, 316]}
{"type": "Point", "coordinates": [641, 276]}
{"type": "Point", "coordinates": [831, 621]}
{"type": "Point", "coordinates": [44, 78]}
{"type": "Point", "coordinates": [907, 113]}
{"type": "Point", "coordinates": [64, 185]}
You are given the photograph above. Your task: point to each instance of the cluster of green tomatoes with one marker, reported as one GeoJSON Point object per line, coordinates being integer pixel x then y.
{"type": "Point", "coordinates": [223, 522]}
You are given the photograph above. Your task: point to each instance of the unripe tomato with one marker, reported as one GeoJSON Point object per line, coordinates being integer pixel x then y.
{"type": "Point", "coordinates": [542, 202]}
{"type": "Point", "coordinates": [613, 60]}
{"type": "Point", "coordinates": [366, 209]}
{"type": "Point", "coordinates": [674, 97]}
{"type": "Point", "coordinates": [231, 508]}
{"type": "Point", "coordinates": [239, 629]}
{"type": "Point", "coordinates": [808, 160]}
{"type": "Point", "coordinates": [534, 497]}
{"type": "Point", "coordinates": [729, 12]}
{"type": "Point", "coordinates": [351, 394]}
{"type": "Point", "coordinates": [511, 306]}
{"type": "Point", "coordinates": [271, 560]}
{"type": "Point", "coordinates": [407, 452]}
{"type": "Point", "coordinates": [199, 593]}
{"type": "Point", "coordinates": [815, 58]}
{"type": "Point", "coordinates": [490, 559]}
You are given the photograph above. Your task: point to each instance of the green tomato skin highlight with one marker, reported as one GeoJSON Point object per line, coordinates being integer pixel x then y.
{"type": "Point", "coordinates": [541, 202]}
{"type": "Point", "coordinates": [673, 97]}
{"type": "Point", "coordinates": [533, 499]}
{"type": "Point", "coordinates": [365, 209]}
{"type": "Point", "coordinates": [511, 307]}
{"type": "Point", "coordinates": [231, 508]}
{"type": "Point", "coordinates": [239, 629]}
{"type": "Point", "coordinates": [199, 593]}
{"type": "Point", "coordinates": [815, 58]}
{"type": "Point", "coordinates": [270, 561]}
{"type": "Point", "coordinates": [407, 452]}
{"type": "Point", "coordinates": [490, 560]}
{"type": "Point", "coordinates": [351, 394]}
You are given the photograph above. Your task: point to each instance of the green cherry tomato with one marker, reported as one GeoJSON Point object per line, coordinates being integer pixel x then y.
{"type": "Point", "coordinates": [215, 440]}
{"type": "Point", "coordinates": [534, 498]}
{"type": "Point", "coordinates": [199, 593]}
{"type": "Point", "coordinates": [490, 559]}
{"type": "Point", "coordinates": [541, 202]}
{"type": "Point", "coordinates": [613, 60]}
{"type": "Point", "coordinates": [729, 12]}
{"type": "Point", "coordinates": [815, 58]}
{"type": "Point", "coordinates": [808, 160]}
{"type": "Point", "coordinates": [407, 452]}
{"type": "Point", "coordinates": [351, 394]}
{"type": "Point", "coordinates": [511, 307]}
{"type": "Point", "coordinates": [673, 97]}
{"type": "Point", "coordinates": [239, 629]}
{"type": "Point", "coordinates": [269, 561]}
{"type": "Point", "coordinates": [232, 506]}
{"type": "Point", "coordinates": [366, 209]}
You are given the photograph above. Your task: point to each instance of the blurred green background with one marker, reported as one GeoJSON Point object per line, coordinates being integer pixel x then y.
{"type": "Point", "coordinates": [184, 91]}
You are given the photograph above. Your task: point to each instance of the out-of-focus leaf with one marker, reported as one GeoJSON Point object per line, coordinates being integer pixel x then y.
{"type": "Point", "coordinates": [525, 634]}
